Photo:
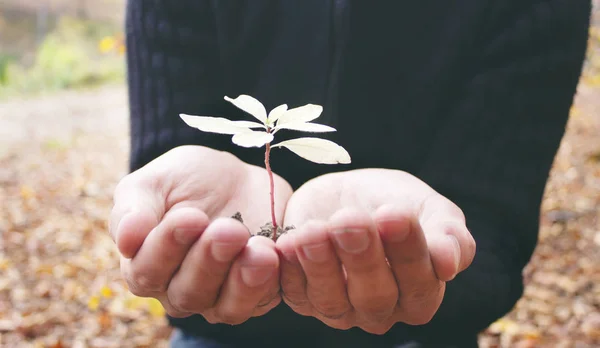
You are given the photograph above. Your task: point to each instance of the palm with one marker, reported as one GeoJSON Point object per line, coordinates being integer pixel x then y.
{"type": "Point", "coordinates": [234, 187]}
{"type": "Point", "coordinates": [174, 246]}
{"type": "Point", "coordinates": [366, 190]}
{"type": "Point", "coordinates": [373, 247]}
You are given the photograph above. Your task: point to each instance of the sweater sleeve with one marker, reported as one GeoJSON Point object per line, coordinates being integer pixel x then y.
{"type": "Point", "coordinates": [511, 117]}
{"type": "Point", "coordinates": [173, 67]}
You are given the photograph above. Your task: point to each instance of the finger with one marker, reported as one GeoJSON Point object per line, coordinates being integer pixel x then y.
{"type": "Point", "coordinates": [325, 281]}
{"type": "Point", "coordinates": [138, 208]}
{"type": "Point", "coordinates": [176, 313]}
{"type": "Point", "coordinates": [152, 268]}
{"type": "Point", "coordinates": [266, 306]}
{"type": "Point", "coordinates": [372, 288]}
{"type": "Point", "coordinates": [254, 276]}
{"type": "Point", "coordinates": [451, 246]}
{"type": "Point", "coordinates": [195, 286]}
{"type": "Point", "coordinates": [420, 292]}
{"type": "Point", "coordinates": [292, 278]}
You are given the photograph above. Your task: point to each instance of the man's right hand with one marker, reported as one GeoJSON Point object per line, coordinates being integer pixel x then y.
{"type": "Point", "coordinates": [171, 223]}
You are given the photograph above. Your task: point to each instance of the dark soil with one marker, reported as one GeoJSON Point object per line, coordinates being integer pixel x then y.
{"type": "Point", "coordinates": [266, 230]}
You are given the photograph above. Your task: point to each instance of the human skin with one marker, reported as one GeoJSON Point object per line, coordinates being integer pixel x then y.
{"type": "Point", "coordinates": [374, 247]}
{"type": "Point", "coordinates": [170, 222]}
{"type": "Point", "coordinates": [171, 225]}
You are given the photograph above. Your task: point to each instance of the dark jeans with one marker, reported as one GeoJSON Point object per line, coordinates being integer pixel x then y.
{"type": "Point", "coordinates": [182, 340]}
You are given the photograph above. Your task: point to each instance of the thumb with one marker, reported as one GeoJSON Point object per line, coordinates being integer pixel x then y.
{"type": "Point", "coordinates": [138, 208]}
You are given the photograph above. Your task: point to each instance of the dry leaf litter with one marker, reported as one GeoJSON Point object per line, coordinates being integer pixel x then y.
{"type": "Point", "coordinates": [60, 286]}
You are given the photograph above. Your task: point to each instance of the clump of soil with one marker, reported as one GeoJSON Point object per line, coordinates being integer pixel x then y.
{"type": "Point", "coordinates": [266, 230]}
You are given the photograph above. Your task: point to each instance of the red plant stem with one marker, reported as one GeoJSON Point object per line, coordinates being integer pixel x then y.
{"type": "Point", "coordinates": [272, 193]}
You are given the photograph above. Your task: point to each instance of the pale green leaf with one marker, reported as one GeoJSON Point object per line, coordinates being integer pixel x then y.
{"type": "Point", "coordinates": [317, 150]}
{"type": "Point", "coordinates": [276, 113]}
{"type": "Point", "coordinates": [250, 105]}
{"type": "Point", "coordinates": [306, 127]}
{"type": "Point", "coordinates": [213, 124]}
{"type": "Point", "coordinates": [252, 138]}
{"type": "Point", "coordinates": [304, 113]}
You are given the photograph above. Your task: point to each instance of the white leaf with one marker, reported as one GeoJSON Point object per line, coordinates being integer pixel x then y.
{"type": "Point", "coordinates": [306, 127]}
{"type": "Point", "coordinates": [304, 113]}
{"type": "Point", "coordinates": [250, 105]}
{"type": "Point", "coordinates": [317, 150]}
{"type": "Point", "coordinates": [252, 139]}
{"type": "Point", "coordinates": [248, 124]}
{"type": "Point", "coordinates": [213, 124]}
{"type": "Point", "coordinates": [276, 113]}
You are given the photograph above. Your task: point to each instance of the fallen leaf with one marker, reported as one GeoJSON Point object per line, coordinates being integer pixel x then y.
{"type": "Point", "coordinates": [94, 303]}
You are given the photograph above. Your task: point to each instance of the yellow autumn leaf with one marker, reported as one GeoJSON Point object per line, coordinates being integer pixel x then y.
{"type": "Point", "coordinates": [134, 302]}
{"type": "Point", "coordinates": [121, 49]}
{"type": "Point", "coordinates": [27, 192]}
{"type": "Point", "coordinates": [106, 292]}
{"type": "Point", "coordinates": [532, 335]}
{"type": "Point", "coordinates": [592, 81]}
{"type": "Point", "coordinates": [155, 308]}
{"type": "Point", "coordinates": [575, 112]}
{"type": "Point", "coordinates": [4, 264]}
{"type": "Point", "coordinates": [503, 325]}
{"type": "Point", "coordinates": [94, 303]}
{"type": "Point", "coordinates": [107, 44]}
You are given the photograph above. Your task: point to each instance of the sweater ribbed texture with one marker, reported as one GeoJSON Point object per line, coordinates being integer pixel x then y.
{"type": "Point", "coordinates": [470, 96]}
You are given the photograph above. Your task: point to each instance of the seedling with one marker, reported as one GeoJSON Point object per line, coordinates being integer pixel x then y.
{"type": "Point", "coordinates": [316, 150]}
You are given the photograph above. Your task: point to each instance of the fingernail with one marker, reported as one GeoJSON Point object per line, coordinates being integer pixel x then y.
{"type": "Point", "coordinates": [353, 241]}
{"type": "Point", "coordinates": [456, 248]}
{"type": "Point", "coordinates": [316, 252]}
{"type": "Point", "coordinates": [256, 276]}
{"type": "Point", "coordinates": [185, 236]}
{"type": "Point", "coordinates": [223, 252]}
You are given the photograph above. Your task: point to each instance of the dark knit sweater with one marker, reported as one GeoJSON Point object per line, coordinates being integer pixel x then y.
{"type": "Point", "coordinates": [470, 96]}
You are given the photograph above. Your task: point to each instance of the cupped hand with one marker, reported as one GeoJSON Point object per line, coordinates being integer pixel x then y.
{"type": "Point", "coordinates": [172, 224]}
{"type": "Point", "coordinates": [373, 247]}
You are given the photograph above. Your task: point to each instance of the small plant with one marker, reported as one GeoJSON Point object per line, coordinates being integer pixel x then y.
{"type": "Point", "coordinates": [313, 149]}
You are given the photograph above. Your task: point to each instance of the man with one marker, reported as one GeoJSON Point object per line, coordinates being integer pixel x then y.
{"type": "Point", "coordinates": [452, 113]}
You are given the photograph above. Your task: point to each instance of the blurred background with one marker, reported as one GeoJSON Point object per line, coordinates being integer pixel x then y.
{"type": "Point", "coordinates": [64, 146]}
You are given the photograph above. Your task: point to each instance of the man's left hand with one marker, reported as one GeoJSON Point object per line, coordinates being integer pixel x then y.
{"type": "Point", "coordinates": [372, 248]}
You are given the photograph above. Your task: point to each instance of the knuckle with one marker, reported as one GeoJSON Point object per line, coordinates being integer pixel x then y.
{"type": "Point", "coordinates": [378, 308]}
{"type": "Point", "coordinates": [137, 291]}
{"type": "Point", "coordinates": [186, 301]}
{"type": "Point", "coordinates": [452, 208]}
{"type": "Point", "coordinates": [295, 301]}
{"type": "Point", "coordinates": [338, 324]}
{"type": "Point", "coordinates": [132, 286]}
{"type": "Point", "coordinates": [126, 182]}
{"type": "Point", "coordinates": [330, 306]}
{"type": "Point", "coordinates": [422, 295]}
{"type": "Point", "coordinates": [147, 282]}
{"type": "Point", "coordinates": [300, 306]}
{"type": "Point", "coordinates": [377, 299]}
{"type": "Point", "coordinates": [176, 313]}
{"type": "Point", "coordinates": [268, 299]}
{"type": "Point", "coordinates": [332, 310]}
{"type": "Point", "coordinates": [211, 319]}
{"type": "Point", "coordinates": [378, 315]}
{"type": "Point", "coordinates": [419, 318]}
{"type": "Point", "coordinates": [421, 305]}
{"type": "Point", "coordinates": [472, 247]}
{"type": "Point", "coordinates": [231, 317]}
{"type": "Point", "coordinates": [378, 329]}
{"type": "Point", "coordinates": [456, 211]}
